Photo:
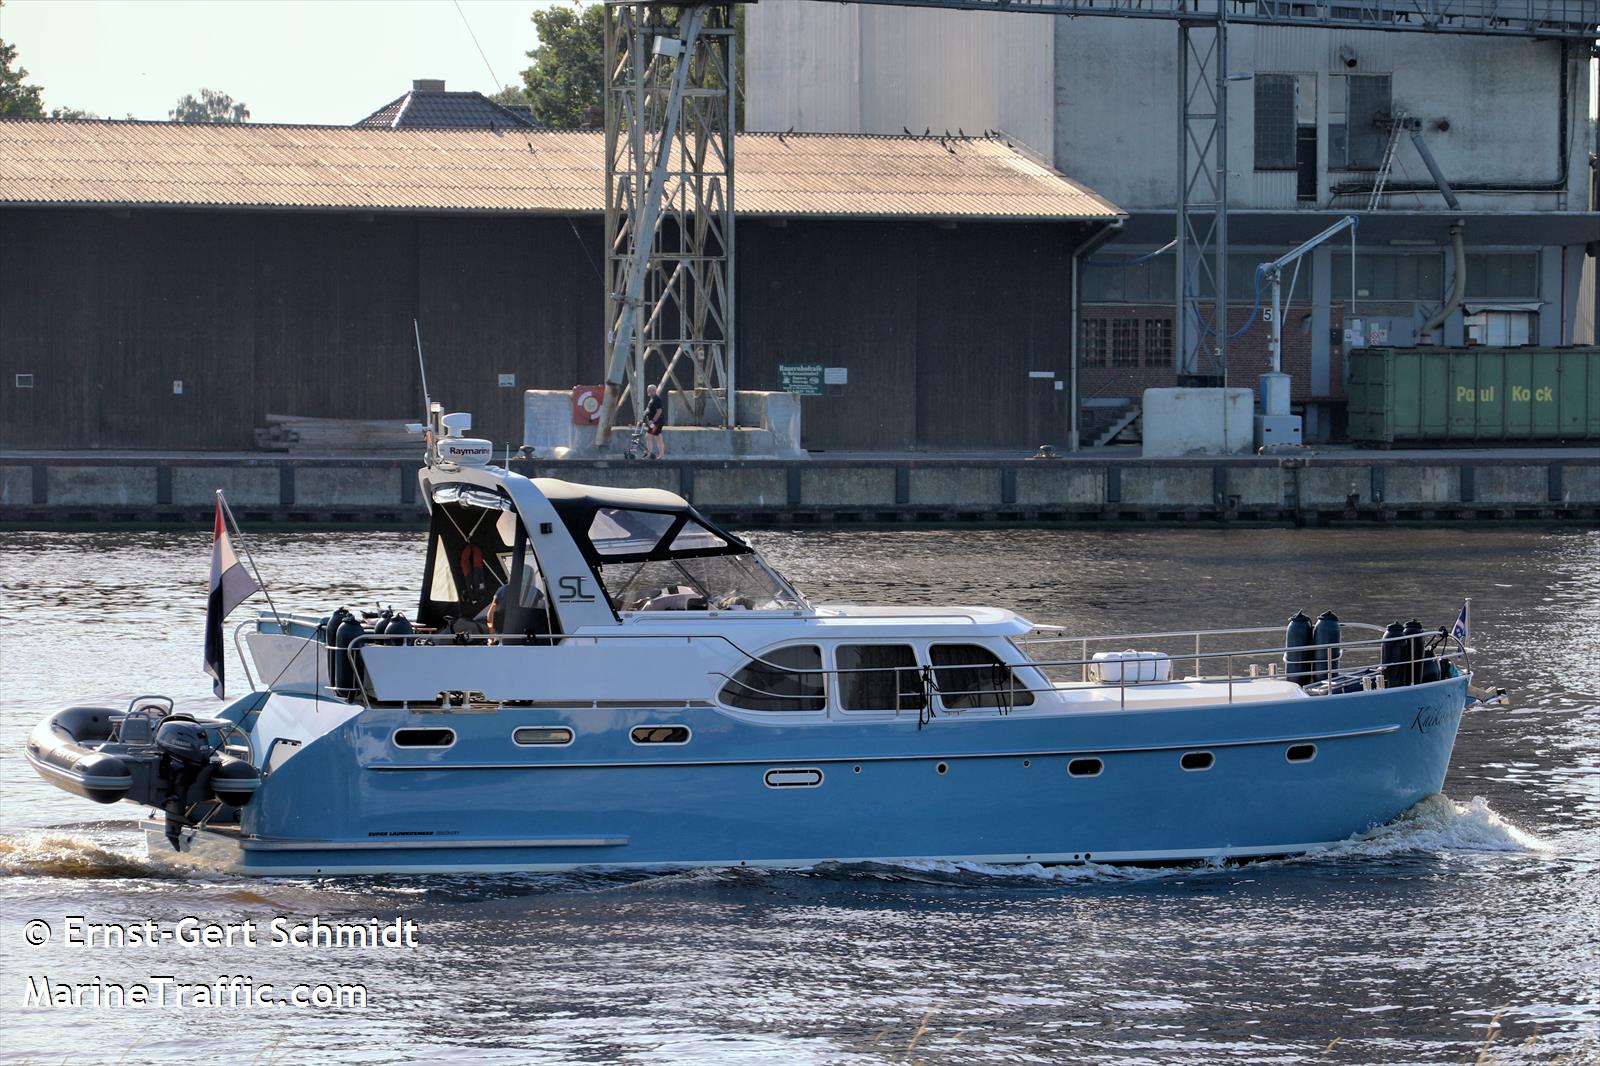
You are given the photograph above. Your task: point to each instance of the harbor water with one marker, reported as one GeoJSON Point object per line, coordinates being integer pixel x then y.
{"type": "Point", "coordinates": [1465, 932]}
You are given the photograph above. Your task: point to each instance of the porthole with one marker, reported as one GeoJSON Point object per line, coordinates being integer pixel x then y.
{"type": "Point", "coordinates": [1026, 763]}
{"type": "Point", "coordinates": [943, 768]}
{"type": "Point", "coordinates": [537, 735]}
{"type": "Point", "coordinates": [798, 777]}
{"type": "Point", "coordinates": [858, 769]}
{"type": "Point", "coordinates": [1085, 767]}
{"type": "Point", "coordinates": [1197, 760]}
{"type": "Point", "coordinates": [1301, 752]}
{"type": "Point", "coordinates": [660, 734]}
{"type": "Point", "coordinates": [424, 738]}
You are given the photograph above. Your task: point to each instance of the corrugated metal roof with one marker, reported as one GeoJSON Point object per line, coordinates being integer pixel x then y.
{"type": "Point", "coordinates": [522, 171]}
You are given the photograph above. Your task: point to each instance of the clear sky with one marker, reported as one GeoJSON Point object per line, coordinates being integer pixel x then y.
{"type": "Point", "coordinates": [313, 61]}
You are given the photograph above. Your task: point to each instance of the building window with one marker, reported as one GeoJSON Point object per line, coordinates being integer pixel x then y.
{"type": "Point", "coordinates": [1242, 277]}
{"type": "Point", "coordinates": [1107, 280]}
{"type": "Point", "coordinates": [1128, 342]}
{"type": "Point", "coordinates": [1275, 121]}
{"type": "Point", "coordinates": [1502, 329]}
{"type": "Point", "coordinates": [1503, 275]}
{"type": "Point", "coordinates": [1158, 350]}
{"type": "Point", "coordinates": [1096, 345]}
{"type": "Point", "coordinates": [1390, 277]}
{"type": "Point", "coordinates": [1368, 108]}
{"type": "Point", "coordinates": [1124, 342]}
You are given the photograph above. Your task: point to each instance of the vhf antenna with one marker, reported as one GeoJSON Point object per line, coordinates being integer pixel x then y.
{"type": "Point", "coordinates": [422, 366]}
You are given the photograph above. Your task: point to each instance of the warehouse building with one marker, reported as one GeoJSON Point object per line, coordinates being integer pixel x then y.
{"type": "Point", "coordinates": [169, 286]}
{"type": "Point", "coordinates": [1319, 117]}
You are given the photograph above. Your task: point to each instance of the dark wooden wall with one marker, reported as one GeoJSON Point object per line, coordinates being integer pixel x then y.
{"type": "Point", "coordinates": [310, 314]}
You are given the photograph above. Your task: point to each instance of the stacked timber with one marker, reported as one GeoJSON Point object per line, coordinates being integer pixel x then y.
{"type": "Point", "coordinates": [334, 436]}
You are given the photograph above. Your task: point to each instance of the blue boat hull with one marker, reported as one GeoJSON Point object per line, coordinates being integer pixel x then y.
{"type": "Point", "coordinates": [961, 789]}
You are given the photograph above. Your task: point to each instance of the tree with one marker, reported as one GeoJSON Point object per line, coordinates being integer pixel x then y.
{"type": "Point", "coordinates": [212, 106]}
{"type": "Point", "coordinates": [567, 78]}
{"type": "Point", "coordinates": [16, 99]}
{"type": "Point", "coordinates": [565, 87]}
{"type": "Point", "coordinates": [510, 96]}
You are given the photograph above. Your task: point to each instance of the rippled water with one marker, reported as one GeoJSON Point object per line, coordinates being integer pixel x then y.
{"type": "Point", "coordinates": [1474, 916]}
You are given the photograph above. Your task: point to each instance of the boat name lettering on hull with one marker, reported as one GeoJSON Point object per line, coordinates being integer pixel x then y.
{"type": "Point", "coordinates": [1429, 718]}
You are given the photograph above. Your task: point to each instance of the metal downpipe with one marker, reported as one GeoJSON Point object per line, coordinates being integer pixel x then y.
{"type": "Point", "coordinates": [1458, 287]}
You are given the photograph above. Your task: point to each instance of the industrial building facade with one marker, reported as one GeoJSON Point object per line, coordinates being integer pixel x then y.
{"type": "Point", "coordinates": [1312, 114]}
{"type": "Point", "coordinates": [167, 286]}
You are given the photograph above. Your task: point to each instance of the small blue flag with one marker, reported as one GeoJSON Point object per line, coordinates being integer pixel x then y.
{"type": "Point", "coordinates": [1460, 631]}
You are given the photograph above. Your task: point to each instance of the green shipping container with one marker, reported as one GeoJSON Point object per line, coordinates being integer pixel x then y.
{"type": "Point", "coordinates": [1437, 395]}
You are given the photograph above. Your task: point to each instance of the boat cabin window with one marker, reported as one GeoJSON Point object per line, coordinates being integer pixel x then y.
{"type": "Point", "coordinates": [971, 676]}
{"type": "Point", "coordinates": [879, 677]}
{"type": "Point", "coordinates": [782, 679]}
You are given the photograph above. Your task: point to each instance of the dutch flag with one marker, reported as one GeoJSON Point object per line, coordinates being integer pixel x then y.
{"type": "Point", "coordinates": [1462, 629]}
{"type": "Point", "coordinates": [231, 585]}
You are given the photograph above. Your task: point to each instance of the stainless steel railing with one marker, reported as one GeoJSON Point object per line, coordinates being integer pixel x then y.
{"type": "Point", "coordinates": [917, 685]}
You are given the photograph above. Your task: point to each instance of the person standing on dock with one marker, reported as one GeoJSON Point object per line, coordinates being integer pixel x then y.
{"type": "Point", "coordinates": [655, 414]}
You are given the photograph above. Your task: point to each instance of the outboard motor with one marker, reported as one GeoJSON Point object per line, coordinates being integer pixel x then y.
{"type": "Point", "coordinates": [1394, 655]}
{"type": "Point", "coordinates": [1414, 651]}
{"type": "Point", "coordinates": [195, 772]}
{"type": "Point", "coordinates": [1297, 655]}
{"type": "Point", "coordinates": [344, 666]}
{"type": "Point", "coordinates": [1327, 634]}
{"type": "Point", "coordinates": [186, 765]}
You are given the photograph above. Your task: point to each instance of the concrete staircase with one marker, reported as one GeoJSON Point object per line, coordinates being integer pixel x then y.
{"type": "Point", "coordinates": [1120, 422]}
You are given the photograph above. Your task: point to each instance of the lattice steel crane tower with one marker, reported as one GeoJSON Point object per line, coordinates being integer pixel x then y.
{"type": "Point", "coordinates": [671, 112]}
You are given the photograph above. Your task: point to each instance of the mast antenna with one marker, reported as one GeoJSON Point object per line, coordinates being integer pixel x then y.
{"type": "Point", "coordinates": [422, 367]}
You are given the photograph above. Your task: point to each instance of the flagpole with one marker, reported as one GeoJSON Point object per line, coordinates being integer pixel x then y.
{"type": "Point", "coordinates": [237, 532]}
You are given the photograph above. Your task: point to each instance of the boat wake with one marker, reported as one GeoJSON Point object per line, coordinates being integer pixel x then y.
{"type": "Point", "coordinates": [1437, 825]}
{"type": "Point", "coordinates": [57, 854]}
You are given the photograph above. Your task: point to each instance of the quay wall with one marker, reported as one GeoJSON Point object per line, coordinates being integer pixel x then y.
{"type": "Point", "coordinates": [160, 490]}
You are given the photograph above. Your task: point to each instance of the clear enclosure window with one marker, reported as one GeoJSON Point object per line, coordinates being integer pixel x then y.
{"type": "Point", "coordinates": [696, 537]}
{"type": "Point", "coordinates": [783, 679]}
{"type": "Point", "coordinates": [879, 677]}
{"type": "Point", "coordinates": [619, 531]}
{"type": "Point", "coordinates": [715, 582]}
{"type": "Point", "coordinates": [970, 675]}
{"type": "Point", "coordinates": [443, 587]}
